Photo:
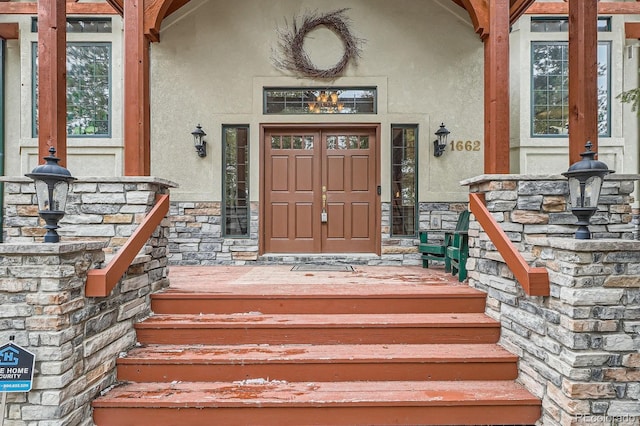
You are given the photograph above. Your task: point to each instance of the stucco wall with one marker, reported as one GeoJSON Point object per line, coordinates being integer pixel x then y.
{"type": "Point", "coordinates": [86, 156]}
{"type": "Point", "coordinates": [535, 154]}
{"type": "Point", "coordinates": [214, 58]}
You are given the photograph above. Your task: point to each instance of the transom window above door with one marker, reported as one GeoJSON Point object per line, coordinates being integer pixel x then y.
{"type": "Point", "coordinates": [320, 100]}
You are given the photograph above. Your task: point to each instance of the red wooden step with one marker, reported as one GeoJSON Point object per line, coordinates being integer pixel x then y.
{"type": "Point", "coordinates": [317, 403]}
{"type": "Point", "coordinates": [255, 328]}
{"type": "Point", "coordinates": [167, 363]}
{"type": "Point", "coordinates": [321, 299]}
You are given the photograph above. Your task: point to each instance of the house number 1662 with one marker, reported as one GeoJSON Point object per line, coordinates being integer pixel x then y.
{"type": "Point", "coordinates": [465, 145]}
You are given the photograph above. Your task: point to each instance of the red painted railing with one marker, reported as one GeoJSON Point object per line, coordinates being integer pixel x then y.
{"type": "Point", "coordinates": [534, 281]}
{"type": "Point", "coordinates": [100, 282]}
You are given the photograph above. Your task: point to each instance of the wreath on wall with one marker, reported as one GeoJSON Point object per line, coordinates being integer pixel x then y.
{"type": "Point", "coordinates": [293, 57]}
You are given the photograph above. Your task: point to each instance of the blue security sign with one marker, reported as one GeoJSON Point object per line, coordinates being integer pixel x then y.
{"type": "Point", "coordinates": [16, 368]}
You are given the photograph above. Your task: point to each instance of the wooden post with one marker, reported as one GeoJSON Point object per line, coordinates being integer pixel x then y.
{"type": "Point", "coordinates": [583, 76]}
{"type": "Point", "coordinates": [496, 89]}
{"type": "Point", "coordinates": [137, 140]}
{"type": "Point", "coordinates": [52, 79]}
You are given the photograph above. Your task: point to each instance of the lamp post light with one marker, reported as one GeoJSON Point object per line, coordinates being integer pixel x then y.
{"type": "Point", "coordinates": [52, 185]}
{"type": "Point", "coordinates": [585, 181]}
{"type": "Point", "coordinates": [440, 144]}
{"type": "Point", "coordinates": [201, 145]}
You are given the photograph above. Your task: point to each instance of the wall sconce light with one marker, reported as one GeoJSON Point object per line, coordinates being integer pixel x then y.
{"type": "Point", "coordinates": [585, 181]}
{"type": "Point", "coordinates": [198, 142]}
{"type": "Point", "coordinates": [52, 184]}
{"type": "Point", "coordinates": [440, 144]}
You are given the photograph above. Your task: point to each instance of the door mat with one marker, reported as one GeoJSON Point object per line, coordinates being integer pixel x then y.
{"type": "Point", "coordinates": [329, 268]}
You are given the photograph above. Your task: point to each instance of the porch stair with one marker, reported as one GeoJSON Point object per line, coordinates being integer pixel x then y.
{"type": "Point", "coordinates": [317, 354]}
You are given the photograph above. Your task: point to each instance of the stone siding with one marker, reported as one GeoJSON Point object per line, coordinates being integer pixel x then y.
{"type": "Point", "coordinates": [98, 209]}
{"type": "Point", "coordinates": [578, 347]}
{"type": "Point", "coordinates": [109, 209]}
{"type": "Point", "coordinates": [76, 340]}
{"type": "Point", "coordinates": [196, 237]}
{"type": "Point", "coordinates": [589, 330]}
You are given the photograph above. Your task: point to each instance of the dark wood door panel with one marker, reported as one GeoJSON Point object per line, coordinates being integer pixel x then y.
{"type": "Point", "coordinates": [302, 165]}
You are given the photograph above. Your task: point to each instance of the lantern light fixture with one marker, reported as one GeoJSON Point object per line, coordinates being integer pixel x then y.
{"type": "Point", "coordinates": [585, 182]}
{"type": "Point", "coordinates": [440, 144]}
{"type": "Point", "coordinates": [198, 142]}
{"type": "Point", "coordinates": [52, 187]}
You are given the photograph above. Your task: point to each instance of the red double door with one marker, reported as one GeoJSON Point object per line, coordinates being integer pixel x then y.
{"type": "Point", "coordinates": [320, 188]}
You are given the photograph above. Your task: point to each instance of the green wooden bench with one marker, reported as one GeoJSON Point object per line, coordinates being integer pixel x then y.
{"type": "Point", "coordinates": [436, 251]}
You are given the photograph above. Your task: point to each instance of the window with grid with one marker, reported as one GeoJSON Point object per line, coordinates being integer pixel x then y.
{"type": "Point", "coordinates": [88, 89]}
{"type": "Point", "coordinates": [235, 180]}
{"type": "Point", "coordinates": [320, 100]}
{"type": "Point", "coordinates": [404, 180]}
{"type": "Point", "coordinates": [550, 88]}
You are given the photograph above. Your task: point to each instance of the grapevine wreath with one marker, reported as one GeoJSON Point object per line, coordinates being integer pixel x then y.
{"type": "Point", "coordinates": [292, 55]}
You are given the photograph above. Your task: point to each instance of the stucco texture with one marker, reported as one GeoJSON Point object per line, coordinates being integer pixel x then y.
{"type": "Point", "coordinates": [215, 57]}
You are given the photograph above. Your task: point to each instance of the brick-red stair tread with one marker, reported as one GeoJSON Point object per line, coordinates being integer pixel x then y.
{"type": "Point", "coordinates": [295, 362]}
{"type": "Point", "coordinates": [321, 299]}
{"type": "Point", "coordinates": [263, 393]}
{"type": "Point", "coordinates": [257, 320]}
{"type": "Point", "coordinates": [322, 290]}
{"type": "Point", "coordinates": [388, 353]}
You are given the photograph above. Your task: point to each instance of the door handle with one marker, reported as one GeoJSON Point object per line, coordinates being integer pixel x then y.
{"type": "Point", "coordinates": [323, 215]}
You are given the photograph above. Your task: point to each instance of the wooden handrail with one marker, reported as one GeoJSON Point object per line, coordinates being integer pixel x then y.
{"type": "Point", "coordinates": [534, 281]}
{"type": "Point", "coordinates": [100, 282]}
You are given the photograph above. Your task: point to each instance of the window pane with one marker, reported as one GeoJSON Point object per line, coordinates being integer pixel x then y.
{"type": "Point", "coordinates": [403, 180]}
{"type": "Point", "coordinates": [81, 25]}
{"type": "Point", "coordinates": [561, 24]}
{"type": "Point", "coordinates": [604, 59]}
{"type": "Point", "coordinates": [236, 180]}
{"type": "Point", "coordinates": [550, 88]}
{"type": "Point", "coordinates": [331, 100]}
{"type": "Point", "coordinates": [88, 89]}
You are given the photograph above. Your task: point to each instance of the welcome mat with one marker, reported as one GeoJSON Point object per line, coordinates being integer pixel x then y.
{"type": "Point", "coordinates": [309, 267]}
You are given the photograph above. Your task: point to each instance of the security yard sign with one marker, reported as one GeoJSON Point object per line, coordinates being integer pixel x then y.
{"type": "Point", "coordinates": [16, 368]}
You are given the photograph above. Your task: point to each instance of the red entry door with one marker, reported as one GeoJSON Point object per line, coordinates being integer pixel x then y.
{"type": "Point", "coordinates": [320, 190]}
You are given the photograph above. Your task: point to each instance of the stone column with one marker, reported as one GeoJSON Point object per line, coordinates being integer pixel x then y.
{"type": "Point", "coordinates": [580, 347]}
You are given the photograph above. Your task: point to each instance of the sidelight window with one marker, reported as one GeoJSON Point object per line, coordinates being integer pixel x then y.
{"type": "Point", "coordinates": [404, 206]}
{"type": "Point", "coordinates": [235, 180]}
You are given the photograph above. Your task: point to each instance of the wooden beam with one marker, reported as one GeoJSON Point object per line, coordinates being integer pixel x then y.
{"type": "Point", "coordinates": [562, 8]}
{"type": "Point", "coordinates": [496, 89]}
{"type": "Point", "coordinates": [9, 30]}
{"type": "Point", "coordinates": [518, 8]}
{"type": "Point", "coordinates": [136, 91]}
{"type": "Point", "coordinates": [52, 78]}
{"type": "Point", "coordinates": [175, 5]}
{"type": "Point", "coordinates": [479, 14]}
{"type": "Point", "coordinates": [31, 8]}
{"type": "Point", "coordinates": [154, 13]}
{"type": "Point", "coordinates": [583, 76]}
{"type": "Point", "coordinates": [118, 6]}
{"type": "Point", "coordinates": [632, 30]}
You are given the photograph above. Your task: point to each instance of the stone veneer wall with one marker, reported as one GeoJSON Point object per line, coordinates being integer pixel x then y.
{"type": "Point", "coordinates": [98, 209]}
{"type": "Point", "coordinates": [109, 209]}
{"type": "Point", "coordinates": [196, 237]}
{"type": "Point", "coordinates": [578, 347]}
{"type": "Point", "coordinates": [76, 340]}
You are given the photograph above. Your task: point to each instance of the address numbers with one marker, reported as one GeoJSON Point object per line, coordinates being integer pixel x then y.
{"type": "Point", "coordinates": [465, 145]}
